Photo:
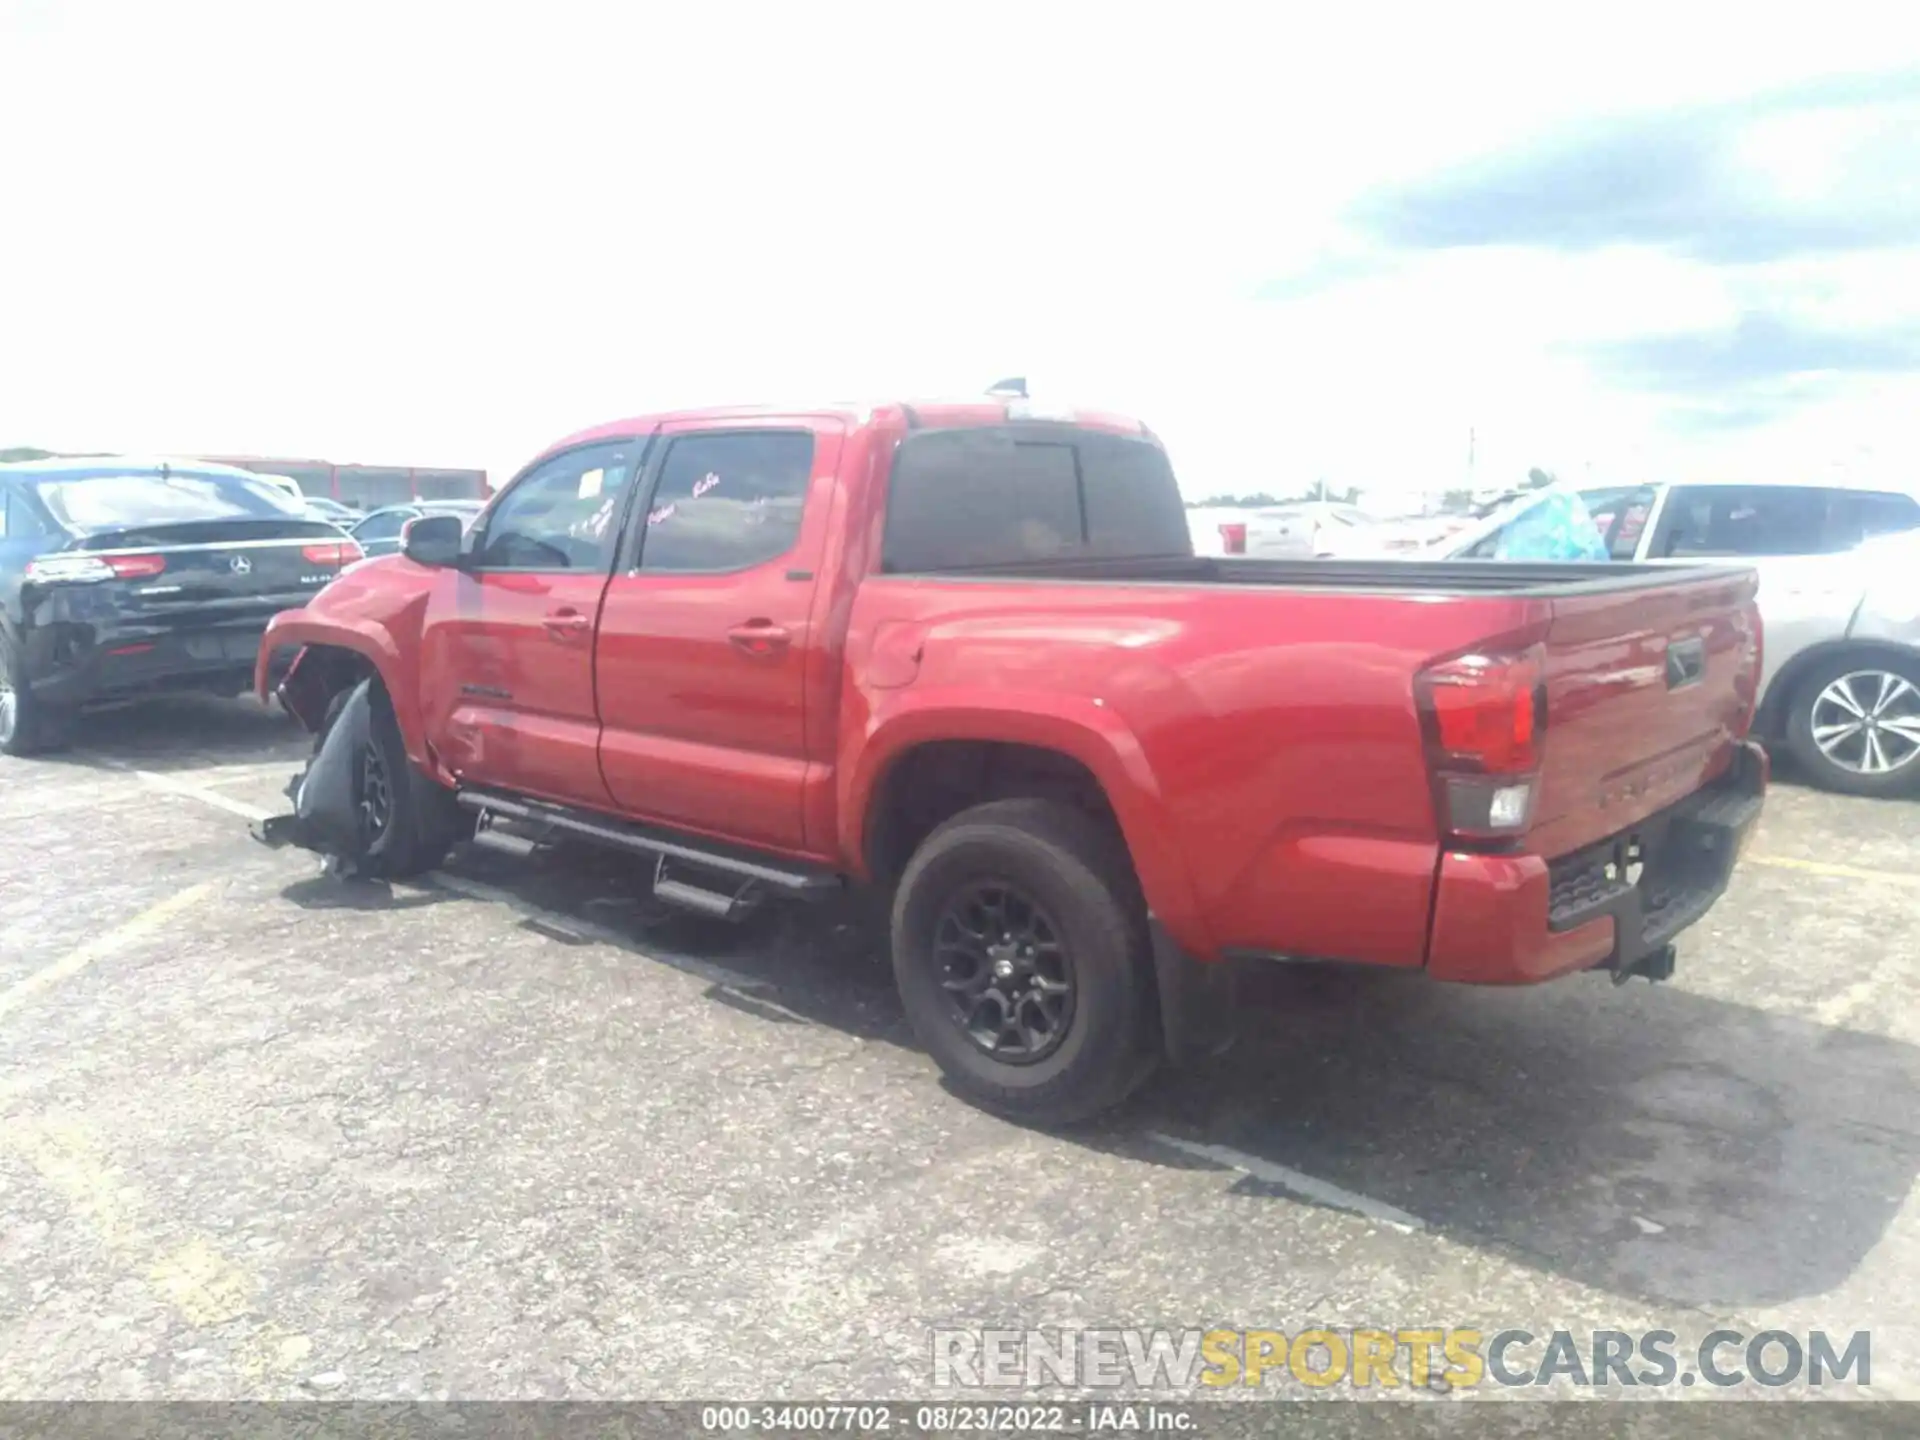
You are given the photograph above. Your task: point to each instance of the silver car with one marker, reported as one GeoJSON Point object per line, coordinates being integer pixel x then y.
{"type": "Point", "coordinates": [1839, 568]}
{"type": "Point", "coordinates": [379, 531]}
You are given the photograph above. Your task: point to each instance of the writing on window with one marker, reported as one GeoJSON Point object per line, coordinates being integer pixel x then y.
{"type": "Point", "coordinates": [727, 502]}
{"type": "Point", "coordinates": [562, 516]}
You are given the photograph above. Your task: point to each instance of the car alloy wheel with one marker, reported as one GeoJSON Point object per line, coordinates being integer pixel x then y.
{"type": "Point", "coordinates": [1868, 722]}
{"type": "Point", "coordinates": [1006, 974]}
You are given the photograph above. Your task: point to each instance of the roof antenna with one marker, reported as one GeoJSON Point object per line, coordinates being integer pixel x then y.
{"type": "Point", "coordinates": [1014, 389]}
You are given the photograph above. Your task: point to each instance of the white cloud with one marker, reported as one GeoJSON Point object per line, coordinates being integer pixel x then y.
{"type": "Point", "coordinates": [438, 233]}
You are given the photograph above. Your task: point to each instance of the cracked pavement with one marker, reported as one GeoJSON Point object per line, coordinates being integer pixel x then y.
{"type": "Point", "coordinates": [516, 1133]}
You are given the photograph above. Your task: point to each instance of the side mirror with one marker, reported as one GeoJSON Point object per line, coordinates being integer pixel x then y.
{"type": "Point", "coordinates": [432, 540]}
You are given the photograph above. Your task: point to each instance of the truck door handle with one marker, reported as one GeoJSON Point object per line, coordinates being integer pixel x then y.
{"type": "Point", "coordinates": [566, 623]}
{"type": "Point", "coordinates": [760, 637]}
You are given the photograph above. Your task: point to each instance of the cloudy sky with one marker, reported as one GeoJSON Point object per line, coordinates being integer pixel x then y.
{"type": "Point", "coordinates": [1617, 239]}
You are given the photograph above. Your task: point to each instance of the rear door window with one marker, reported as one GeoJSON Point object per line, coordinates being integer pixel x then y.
{"type": "Point", "coordinates": [726, 501]}
{"type": "Point", "coordinates": [1859, 515]}
{"type": "Point", "coordinates": [976, 498]}
{"type": "Point", "coordinates": [1736, 521]}
{"type": "Point", "coordinates": [17, 517]}
{"type": "Point", "coordinates": [1620, 515]}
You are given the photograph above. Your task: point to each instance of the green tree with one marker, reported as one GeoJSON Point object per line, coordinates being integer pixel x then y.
{"type": "Point", "coordinates": [1538, 479]}
{"type": "Point", "coordinates": [24, 452]}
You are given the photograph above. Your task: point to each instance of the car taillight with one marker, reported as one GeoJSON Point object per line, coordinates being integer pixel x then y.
{"type": "Point", "coordinates": [1233, 538]}
{"type": "Point", "coordinates": [83, 568]}
{"type": "Point", "coordinates": [1483, 715]}
{"type": "Point", "coordinates": [334, 553]}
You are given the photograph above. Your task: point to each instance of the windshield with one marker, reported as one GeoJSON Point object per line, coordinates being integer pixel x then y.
{"type": "Point", "coordinates": [99, 502]}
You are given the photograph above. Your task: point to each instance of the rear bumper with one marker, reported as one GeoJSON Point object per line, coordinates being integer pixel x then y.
{"type": "Point", "coordinates": [74, 665]}
{"type": "Point", "coordinates": [1519, 919]}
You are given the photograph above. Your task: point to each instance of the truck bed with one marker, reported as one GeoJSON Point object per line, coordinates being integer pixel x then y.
{"type": "Point", "coordinates": [1276, 703]}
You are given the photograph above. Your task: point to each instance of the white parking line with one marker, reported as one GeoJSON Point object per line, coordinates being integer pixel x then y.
{"type": "Point", "coordinates": [167, 784]}
{"type": "Point", "coordinates": [1305, 1186]}
{"type": "Point", "coordinates": [493, 894]}
{"type": "Point", "coordinates": [201, 793]}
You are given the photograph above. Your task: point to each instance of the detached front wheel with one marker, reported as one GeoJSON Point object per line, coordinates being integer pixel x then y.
{"type": "Point", "coordinates": [406, 822]}
{"type": "Point", "coordinates": [1021, 951]}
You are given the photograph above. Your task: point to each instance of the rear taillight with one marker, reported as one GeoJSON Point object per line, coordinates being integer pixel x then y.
{"type": "Point", "coordinates": [81, 568]}
{"type": "Point", "coordinates": [1483, 716]}
{"type": "Point", "coordinates": [1233, 538]}
{"type": "Point", "coordinates": [334, 553]}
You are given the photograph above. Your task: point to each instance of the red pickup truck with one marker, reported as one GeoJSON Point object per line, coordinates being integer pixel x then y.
{"type": "Point", "coordinates": [965, 653]}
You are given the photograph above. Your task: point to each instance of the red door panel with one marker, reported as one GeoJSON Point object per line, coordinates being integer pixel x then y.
{"type": "Point", "coordinates": [508, 666]}
{"type": "Point", "coordinates": [702, 675]}
{"type": "Point", "coordinates": [507, 649]}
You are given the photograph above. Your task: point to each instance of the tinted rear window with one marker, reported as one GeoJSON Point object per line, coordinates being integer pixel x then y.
{"type": "Point", "coordinates": [1760, 520]}
{"type": "Point", "coordinates": [100, 502]}
{"type": "Point", "coordinates": [965, 499]}
{"type": "Point", "coordinates": [1862, 514]}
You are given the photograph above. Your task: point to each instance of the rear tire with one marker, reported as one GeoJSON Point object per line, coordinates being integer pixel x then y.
{"type": "Point", "coordinates": [27, 725]}
{"type": "Point", "coordinates": [1844, 751]}
{"type": "Point", "coordinates": [982, 978]}
{"type": "Point", "coordinates": [413, 819]}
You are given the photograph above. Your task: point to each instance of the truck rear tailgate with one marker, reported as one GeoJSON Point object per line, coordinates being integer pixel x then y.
{"type": "Point", "coordinates": [1648, 687]}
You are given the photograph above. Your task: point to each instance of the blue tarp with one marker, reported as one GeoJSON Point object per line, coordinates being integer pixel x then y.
{"type": "Point", "coordinates": [1557, 527]}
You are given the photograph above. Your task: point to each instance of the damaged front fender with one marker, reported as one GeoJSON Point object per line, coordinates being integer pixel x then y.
{"type": "Point", "coordinates": [338, 647]}
{"type": "Point", "coordinates": [318, 674]}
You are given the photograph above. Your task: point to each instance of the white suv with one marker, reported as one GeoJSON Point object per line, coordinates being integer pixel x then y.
{"type": "Point", "coordinates": [1839, 568]}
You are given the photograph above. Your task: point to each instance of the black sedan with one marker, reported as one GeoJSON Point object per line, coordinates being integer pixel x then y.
{"type": "Point", "coordinates": [124, 577]}
{"type": "Point", "coordinates": [379, 532]}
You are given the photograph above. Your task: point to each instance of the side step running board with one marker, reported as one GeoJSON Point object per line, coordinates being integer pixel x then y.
{"type": "Point", "coordinates": [692, 897]}
{"type": "Point", "coordinates": [488, 838]}
{"type": "Point", "coordinates": [720, 904]}
{"type": "Point", "coordinates": [739, 864]}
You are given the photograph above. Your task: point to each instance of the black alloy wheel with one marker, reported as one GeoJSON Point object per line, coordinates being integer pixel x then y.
{"type": "Point", "coordinates": [1006, 972]}
{"type": "Point", "coordinates": [376, 793]}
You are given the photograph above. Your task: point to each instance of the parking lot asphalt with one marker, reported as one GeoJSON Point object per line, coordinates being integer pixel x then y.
{"type": "Point", "coordinates": [514, 1133]}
